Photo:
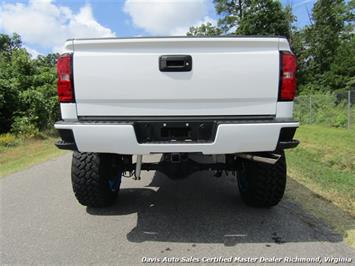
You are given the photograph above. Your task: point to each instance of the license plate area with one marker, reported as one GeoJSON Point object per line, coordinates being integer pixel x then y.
{"type": "Point", "coordinates": [175, 132]}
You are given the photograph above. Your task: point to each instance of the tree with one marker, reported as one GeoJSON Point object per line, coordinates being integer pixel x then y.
{"type": "Point", "coordinates": [324, 34]}
{"type": "Point", "coordinates": [9, 43]}
{"type": "Point", "coordinates": [232, 12]}
{"type": "Point", "coordinates": [28, 97]}
{"type": "Point", "coordinates": [265, 17]}
{"type": "Point", "coordinates": [14, 65]}
{"type": "Point", "coordinates": [248, 17]}
{"type": "Point", "coordinates": [204, 30]}
{"type": "Point", "coordinates": [350, 17]}
{"type": "Point", "coordinates": [324, 48]}
{"type": "Point", "coordinates": [341, 75]}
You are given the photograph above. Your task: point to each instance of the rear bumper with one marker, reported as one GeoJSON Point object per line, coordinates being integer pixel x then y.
{"type": "Point", "coordinates": [230, 137]}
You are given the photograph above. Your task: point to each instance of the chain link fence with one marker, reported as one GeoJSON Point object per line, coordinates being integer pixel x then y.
{"type": "Point", "coordinates": [333, 110]}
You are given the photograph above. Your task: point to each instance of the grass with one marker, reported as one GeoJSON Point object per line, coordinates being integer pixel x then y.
{"type": "Point", "coordinates": [27, 153]}
{"type": "Point", "coordinates": [324, 163]}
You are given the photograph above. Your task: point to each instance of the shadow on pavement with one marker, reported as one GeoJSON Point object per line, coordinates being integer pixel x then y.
{"type": "Point", "coordinates": [205, 209]}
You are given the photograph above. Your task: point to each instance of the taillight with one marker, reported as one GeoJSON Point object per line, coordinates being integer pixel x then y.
{"type": "Point", "coordinates": [65, 78]}
{"type": "Point", "coordinates": [288, 84]}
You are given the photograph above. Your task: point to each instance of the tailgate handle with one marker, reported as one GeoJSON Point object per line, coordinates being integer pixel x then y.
{"type": "Point", "coordinates": [175, 63]}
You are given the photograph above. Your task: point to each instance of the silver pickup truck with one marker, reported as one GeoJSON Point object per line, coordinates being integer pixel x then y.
{"type": "Point", "coordinates": [229, 98]}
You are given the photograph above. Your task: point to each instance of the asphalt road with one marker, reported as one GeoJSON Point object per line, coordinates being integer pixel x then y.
{"type": "Point", "coordinates": [200, 217]}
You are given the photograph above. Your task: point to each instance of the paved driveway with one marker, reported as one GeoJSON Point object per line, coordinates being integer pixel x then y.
{"type": "Point", "coordinates": [199, 217]}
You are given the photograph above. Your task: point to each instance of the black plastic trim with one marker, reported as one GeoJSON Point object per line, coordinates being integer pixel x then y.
{"type": "Point", "coordinates": [67, 141]}
{"type": "Point", "coordinates": [286, 140]}
{"type": "Point", "coordinates": [178, 131]}
{"type": "Point", "coordinates": [288, 144]}
{"type": "Point", "coordinates": [287, 133]}
{"type": "Point", "coordinates": [66, 146]}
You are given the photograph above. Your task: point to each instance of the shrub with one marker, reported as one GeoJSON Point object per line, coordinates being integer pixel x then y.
{"type": "Point", "coordinates": [321, 108]}
{"type": "Point", "coordinates": [8, 140]}
{"type": "Point", "coordinates": [41, 106]}
{"type": "Point", "coordinates": [24, 126]}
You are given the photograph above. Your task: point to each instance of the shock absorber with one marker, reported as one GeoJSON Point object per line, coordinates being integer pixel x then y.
{"type": "Point", "coordinates": [137, 173]}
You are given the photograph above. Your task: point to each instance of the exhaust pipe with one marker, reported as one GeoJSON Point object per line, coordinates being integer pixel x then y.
{"type": "Point", "coordinates": [268, 158]}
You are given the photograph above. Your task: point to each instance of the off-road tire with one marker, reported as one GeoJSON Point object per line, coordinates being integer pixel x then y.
{"type": "Point", "coordinates": [90, 174]}
{"type": "Point", "coordinates": [260, 184]}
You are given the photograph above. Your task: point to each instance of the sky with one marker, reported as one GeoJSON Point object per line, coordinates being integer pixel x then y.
{"type": "Point", "coordinates": [44, 25]}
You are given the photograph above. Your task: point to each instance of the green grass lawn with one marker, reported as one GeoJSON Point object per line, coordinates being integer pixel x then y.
{"type": "Point", "coordinates": [324, 163]}
{"type": "Point", "coordinates": [26, 154]}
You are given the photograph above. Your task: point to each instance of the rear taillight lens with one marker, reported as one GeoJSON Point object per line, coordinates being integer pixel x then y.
{"type": "Point", "coordinates": [288, 84]}
{"type": "Point", "coordinates": [65, 78]}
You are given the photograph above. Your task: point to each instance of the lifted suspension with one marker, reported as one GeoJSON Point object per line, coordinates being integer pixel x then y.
{"type": "Point", "coordinates": [174, 165]}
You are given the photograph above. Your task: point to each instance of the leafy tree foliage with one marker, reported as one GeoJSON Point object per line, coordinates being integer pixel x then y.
{"type": "Point", "coordinates": [341, 74]}
{"type": "Point", "coordinates": [325, 49]}
{"type": "Point", "coordinates": [265, 17]}
{"type": "Point", "coordinates": [27, 88]}
{"type": "Point", "coordinates": [324, 33]}
{"type": "Point", "coordinates": [248, 17]}
{"type": "Point", "coordinates": [231, 12]}
{"type": "Point", "coordinates": [204, 30]}
{"type": "Point", "coordinates": [9, 43]}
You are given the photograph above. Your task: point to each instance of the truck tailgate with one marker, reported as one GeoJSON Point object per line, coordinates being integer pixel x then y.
{"type": "Point", "coordinates": [229, 76]}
